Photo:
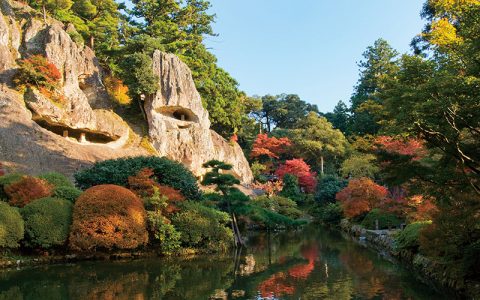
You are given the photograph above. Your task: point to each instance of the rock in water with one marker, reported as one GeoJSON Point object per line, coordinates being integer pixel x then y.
{"type": "Point", "coordinates": [38, 134]}
{"type": "Point", "coordinates": [178, 123]}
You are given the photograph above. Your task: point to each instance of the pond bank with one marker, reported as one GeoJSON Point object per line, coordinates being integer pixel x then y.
{"type": "Point", "coordinates": [430, 272]}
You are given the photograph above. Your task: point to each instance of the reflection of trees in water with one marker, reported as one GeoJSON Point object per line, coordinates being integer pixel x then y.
{"type": "Point", "coordinates": [309, 264]}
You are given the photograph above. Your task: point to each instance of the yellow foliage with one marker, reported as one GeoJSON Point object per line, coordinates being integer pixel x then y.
{"type": "Point", "coordinates": [443, 34]}
{"type": "Point", "coordinates": [451, 6]}
{"type": "Point", "coordinates": [146, 144]}
{"type": "Point", "coordinates": [117, 90]}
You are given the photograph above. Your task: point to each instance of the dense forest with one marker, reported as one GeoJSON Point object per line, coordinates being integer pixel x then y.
{"type": "Point", "coordinates": [403, 151]}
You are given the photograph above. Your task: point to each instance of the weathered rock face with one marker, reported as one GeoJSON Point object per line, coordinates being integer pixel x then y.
{"type": "Point", "coordinates": [32, 127]}
{"type": "Point", "coordinates": [38, 134]}
{"type": "Point", "coordinates": [179, 126]}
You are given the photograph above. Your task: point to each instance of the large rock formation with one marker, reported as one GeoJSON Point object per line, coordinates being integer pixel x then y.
{"type": "Point", "coordinates": [179, 125]}
{"type": "Point", "coordinates": [37, 134]}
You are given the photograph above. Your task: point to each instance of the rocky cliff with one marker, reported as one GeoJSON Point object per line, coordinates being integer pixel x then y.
{"type": "Point", "coordinates": [37, 134]}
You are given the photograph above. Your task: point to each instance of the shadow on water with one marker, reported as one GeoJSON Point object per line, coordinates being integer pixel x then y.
{"type": "Point", "coordinates": [307, 264]}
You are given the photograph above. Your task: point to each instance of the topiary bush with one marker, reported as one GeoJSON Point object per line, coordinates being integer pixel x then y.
{"type": "Point", "coordinates": [26, 190]}
{"type": "Point", "coordinates": [68, 193]}
{"type": "Point", "coordinates": [56, 179]}
{"type": "Point", "coordinates": [167, 172]}
{"type": "Point", "coordinates": [47, 222]}
{"type": "Point", "coordinates": [11, 226]}
{"type": "Point", "coordinates": [203, 227]}
{"type": "Point", "coordinates": [385, 220]}
{"type": "Point", "coordinates": [407, 239]}
{"type": "Point", "coordinates": [108, 217]}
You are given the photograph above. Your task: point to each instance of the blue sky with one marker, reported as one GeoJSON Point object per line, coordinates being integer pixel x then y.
{"type": "Point", "coordinates": [306, 47]}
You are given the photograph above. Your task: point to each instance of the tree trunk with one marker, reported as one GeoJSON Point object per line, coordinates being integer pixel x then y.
{"type": "Point", "coordinates": [44, 14]}
{"type": "Point", "coordinates": [321, 164]}
{"type": "Point", "coordinates": [91, 41]}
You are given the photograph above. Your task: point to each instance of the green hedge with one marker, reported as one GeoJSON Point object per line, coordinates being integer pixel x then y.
{"type": "Point", "coordinates": [47, 222]}
{"type": "Point", "coordinates": [68, 193]}
{"type": "Point", "coordinates": [11, 226]}
{"type": "Point", "coordinates": [56, 179]}
{"type": "Point", "coordinates": [385, 220]}
{"type": "Point", "coordinates": [117, 171]}
{"type": "Point", "coordinates": [407, 239]}
{"type": "Point", "coordinates": [203, 227]}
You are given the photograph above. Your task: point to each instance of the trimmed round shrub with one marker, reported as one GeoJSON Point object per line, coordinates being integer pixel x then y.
{"type": "Point", "coordinates": [108, 217]}
{"type": "Point", "coordinates": [68, 193]}
{"type": "Point", "coordinates": [117, 171]}
{"type": "Point", "coordinates": [203, 227]}
{"type": "Point", "coordinates": [385, 220]}
{"type": "Point", "coordinates": [11, 226]}
{"type": "Point", "coordinates": [408, 238]}
{"type": "Point", "coordinates": [27, 189]}
{"type": "Point", "coordinates": [47, 222]}
{"type": "Point", "coordinates": [56, 179]}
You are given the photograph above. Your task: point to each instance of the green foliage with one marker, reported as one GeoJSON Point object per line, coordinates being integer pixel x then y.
{"type": "Point", "coordinates": [8, 179]}
{"type": "Point", "coordinates": [315, 139]}
{"type": "Point", "coordinates": [407, 239]}
{"type": "Point", "coordinates": [291, 189]}
{"type": "Point", "coordinates": [281, 205]}
{"type": "Point", "coordinates": [47, 222]}
{"type": "Point", "coordinates": [140, 79]}
{"type": "Point", "coordinates": [222, 181]}
{"type": "Point", "coordinates": [66, 192]}
{"type": "Point", "coordinates": [360, 165]}
{"type": "Point", "coordinates": [117, 171]}
{"type": "Point", "coordinates": [340, 117]}
{"type": "Point", "coordinates": [328, 186]}
{"type": "Point", "coordinates": [385, 220]}
{"type": "Point", "coordinates": [56, 179]}
{"type": "Point", "coordinates": [379, 63]}
{"type": "Point", "coordinates": [203, 227]}
{"type": "Point", "coordinates": [331, 213]}
{"type": "Point", "coordinates": [163, 232]}
{"type": "Point", "coordinates": [11, 226]}
{"type": "Point", "coordinates": [257, 169]}
{"type": "Point", "coordinates": [270, 219]}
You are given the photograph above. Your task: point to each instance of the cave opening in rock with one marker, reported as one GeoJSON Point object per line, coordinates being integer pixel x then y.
{"type": "Point", "coordinates": [81, 135]}
{"type": "Point", "coordinates": [178, 113]}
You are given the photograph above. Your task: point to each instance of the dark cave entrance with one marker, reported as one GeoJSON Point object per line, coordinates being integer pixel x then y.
{"type": "Point", "coordinates": [80, 135]}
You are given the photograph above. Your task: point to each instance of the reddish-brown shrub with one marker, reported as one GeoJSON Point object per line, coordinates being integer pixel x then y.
{"type": "Point", "coordinates": [361, 196]}
{"type": "Point", "coordinates": [142, 184]}
{"type": "Point", "coordinates": [174, 197]}
{"type": "Point", "coordinates": [24, 191]}
{"type": "Point", "coordinates": [37, 70]}
{"type": "Point", "coordinates": [108, 217]}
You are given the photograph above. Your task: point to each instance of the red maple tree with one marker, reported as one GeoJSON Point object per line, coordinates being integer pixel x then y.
{"type": "Point", "coordinates": [410, 147]}
{"type": "Point", "coordinates": [271, 147]}
{"type": "Point", "coordinates": [299, 168]}
{"type": "Point", "coordinates": [361, 196]}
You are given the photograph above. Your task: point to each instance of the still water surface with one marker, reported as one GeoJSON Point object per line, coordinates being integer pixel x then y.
{"type": "Point", "coordinates": [309, 264]}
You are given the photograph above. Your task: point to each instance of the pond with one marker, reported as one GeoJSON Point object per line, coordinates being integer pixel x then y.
{"type": "Point", "coordinates": [312, 263]}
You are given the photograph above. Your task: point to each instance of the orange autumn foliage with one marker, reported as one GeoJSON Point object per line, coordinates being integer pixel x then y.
{"type": "Point", "coordinates": [26, 190]}
{"type": "Point", "coordinates": [174, 197]}
{"type": "Point", "coordinates": [108, 217]}
{"type": "Point", "coordinates": [143, 185]}
{"type": "Point", "coordinates": [277, 285]}
{"type": "Point", "coordinates": [361, 196]}
{"type": "Point", "coordinates": [269, 146]}
{"type": "Point", "coordinates": [409, 147]}
{"type": "Point", "coordinates": [117, 90]}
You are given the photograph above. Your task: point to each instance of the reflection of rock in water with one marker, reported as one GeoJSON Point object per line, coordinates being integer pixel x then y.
{"type": "Point", "coordinates": [248, 267]}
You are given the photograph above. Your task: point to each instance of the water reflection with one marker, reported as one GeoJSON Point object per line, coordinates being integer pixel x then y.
{"type": "Point", "coordinates": [308, 264]}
